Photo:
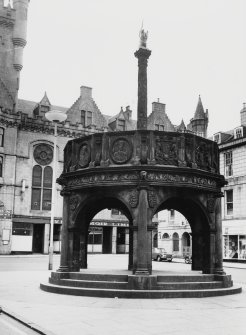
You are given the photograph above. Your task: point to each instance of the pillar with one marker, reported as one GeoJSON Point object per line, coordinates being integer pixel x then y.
{"type": "Point", "coordinates": [83, 250]}
{"type": "Point", "coordinates": [218, 239]}
{"type": "Point", "coordinates": [64, 235]}
{"type": "Point", "coordinates": [114, 240]}
{"type": "Point", "coordinates": [142, 263]}
{"type": "Point", "coordinates": [142, 54]}
{"type": "Point", "coordinates": [130, 255]}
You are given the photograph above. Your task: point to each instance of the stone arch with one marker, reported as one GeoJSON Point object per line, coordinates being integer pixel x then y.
{"type": "Point", "coordinates": [193, 209]}
{"type": "Point", "coordinates": [83, 214]}
{"type": "Point", "coordinates": [165, 236]}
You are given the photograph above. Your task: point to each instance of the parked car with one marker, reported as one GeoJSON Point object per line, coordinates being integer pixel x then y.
{"type": "Point", "coordinates": [188, 259]}
{"type": "Point", "coordinates": [160, 254]}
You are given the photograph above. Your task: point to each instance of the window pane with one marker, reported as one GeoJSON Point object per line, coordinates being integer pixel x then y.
{"type": "Point", "coordinates": [21, 228]}
{"type": "Point", "coordinates": [36, 198]}
{"type": "Point", "coordinates": [89, 118]}
{"type": "Point", "coordinates": [83, 118]}
{"type": "Point", "coordinates": [47, 177]}
{"type": "Point", "coordinates": [46, 206]}
{"type": "Point", "coordinates": [36, 176]}
{"type": "Point", "coordinates": [1, 166]}
{"type": "Point", "coordinates": [229, 196]}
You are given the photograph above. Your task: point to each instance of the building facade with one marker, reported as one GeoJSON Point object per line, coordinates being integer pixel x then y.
{"type": "Point", "coordinates": [232, 147]}
{"type": "Point", "coordinates": [174, 233]}
{"type": "Point", "coordinates": [26, 150]}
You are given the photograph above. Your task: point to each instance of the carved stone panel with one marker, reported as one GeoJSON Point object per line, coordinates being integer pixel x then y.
{"type": "Point", "coordinates": [84, 154]}
{"type": "Point", "coordinates": [203, 156]}
{"type": "Point", "coordinates": [152, 198]}
{"type": "Point", "coordinates": [166, 150]}
{"type": "Point", "coordinates": [211, 203]}
{"type": "Point", "coordinates": [73, 202]}
{"type": "Point", "coordinates": [133, 198]}
{"type": "Point", "coordinates": [121, 150]}
{"type": "Point", "coordinates": [43, 154]}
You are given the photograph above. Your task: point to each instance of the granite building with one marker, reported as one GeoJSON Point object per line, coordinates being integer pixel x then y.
{"type": "Point", "coordinates": [232, 148]}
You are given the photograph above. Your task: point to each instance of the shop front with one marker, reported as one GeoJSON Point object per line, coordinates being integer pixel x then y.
{"type": "Point", "coordinates": [31, 235]}
{"type": "Point", "coordinates": [234, 240]}
{"type": "Point", "coordinates": [108, 237]}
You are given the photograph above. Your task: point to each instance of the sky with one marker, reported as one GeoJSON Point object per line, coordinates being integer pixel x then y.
{"type": "Point", "coordinates": [198, 47]}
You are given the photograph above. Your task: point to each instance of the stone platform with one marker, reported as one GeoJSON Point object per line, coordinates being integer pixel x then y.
{"type": "Point", "coordinates": [116, 285]}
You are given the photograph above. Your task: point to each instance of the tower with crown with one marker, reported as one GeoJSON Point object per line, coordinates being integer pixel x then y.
{"type": "Point", "coordinates": [13, 28]}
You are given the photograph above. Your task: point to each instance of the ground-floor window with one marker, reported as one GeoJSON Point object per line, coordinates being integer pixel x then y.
{"type": "Point", "coordinates": [234, 247]}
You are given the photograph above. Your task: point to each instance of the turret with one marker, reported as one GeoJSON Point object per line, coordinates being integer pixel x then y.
{"type": "Point", "coordinates": [243, 115]}
{"type": "Point", "coordinates": [199, 123]}
{"type": "Point", "coordinates": [19, 33]}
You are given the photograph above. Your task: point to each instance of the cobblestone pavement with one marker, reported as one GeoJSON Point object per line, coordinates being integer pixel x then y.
{"type": "Point", "coordinates": [61, 315]}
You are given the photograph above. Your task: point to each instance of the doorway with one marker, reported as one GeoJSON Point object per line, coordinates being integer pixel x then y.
{"type": "Point", "coordinates": [38, 238]}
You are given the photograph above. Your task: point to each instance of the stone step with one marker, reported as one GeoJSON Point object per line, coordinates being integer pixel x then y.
{"type": "Point", "coordinates": [90, 283]}
{"type": "Point", "coordinates": [186, 278]}
{"type": "Point", "coordinates": [139, 294]}
{"type": "Point", "coordinates": [91, 276]}
{"type": "Point", "coordinates": [124, 285]}
{"type": "Point", "coordinates": [190, 285]}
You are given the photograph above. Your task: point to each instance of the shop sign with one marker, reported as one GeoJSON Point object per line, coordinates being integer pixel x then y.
{"type": "Point", "coordinates": [111, 224]}
{"type": "Point", "coordinates": [5, 214]}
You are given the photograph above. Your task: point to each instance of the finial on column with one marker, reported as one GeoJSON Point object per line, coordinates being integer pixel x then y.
{"type": "Point", "coordinates": [143, 38]}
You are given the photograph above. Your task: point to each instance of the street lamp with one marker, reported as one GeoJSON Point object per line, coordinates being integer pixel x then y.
{"type": "Point", "coordinates": [54, 116]}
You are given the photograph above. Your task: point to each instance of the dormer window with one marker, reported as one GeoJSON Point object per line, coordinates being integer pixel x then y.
{"type": "Point", "coordinates": [159, 127]}
{"type": "Point", "coordinates": [238, 132]}
{"type": "Point", "coordinates": [217, 138]}
{"type": "Point", "coordinates": [121, 125]}
{"type": "Point", "coordinates": [86, 118]}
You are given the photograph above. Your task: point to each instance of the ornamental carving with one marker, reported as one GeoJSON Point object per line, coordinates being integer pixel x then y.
{"type": "Point", "coordinates": [121, 151]}
{"type": "Point", "coordinates": [181, 179]}
{"type": "Point", "coordinates": [73, 202]}
{"type": "Point", "coordinates": [166, 151]}
{"type": "Point", "coordinates": [43, 154]}
{"type": "Point", "coordinates": [152, 198]}
{"type": "Point", "coordinates": [211, 204]}
{"type": "Point", "coordinates": [84, 155]}
{"type": "Point", "coordinates": [133, 198]}
{"type": "Point", "coordinates": [203, 156]}
{"type": "Point", "coordinates": [102, 178]}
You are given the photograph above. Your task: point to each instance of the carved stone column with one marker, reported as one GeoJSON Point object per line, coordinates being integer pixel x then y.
{"type": "Point", "coordinates": [218, 239]}
{"type": "Point", "coordinates": [64, 235]}
{"type": "Point", "coordinates": [142, 54]}
{"type": "Point", "coordinates": [142, 253]}
{"type": "Point", "coordinates": [130, 256]}
{"type": "Point", "coordinates": [83, 250]}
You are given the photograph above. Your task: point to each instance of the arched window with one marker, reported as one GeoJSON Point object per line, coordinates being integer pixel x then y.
{"type": "Point", "coordinates": [41, 188]}
{"type": "Point", "coordinates": [175, 242]}
{"type": "Point", "coordinates": [165, 236]}
{"type": "Point", "coordinates": [155, 241]}
{"type": "Point", "coordinates": [1, 137]}
{"type": "Point", "coordinates": [1, 166]}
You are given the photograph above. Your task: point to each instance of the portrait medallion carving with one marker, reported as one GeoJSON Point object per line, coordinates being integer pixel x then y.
{"type": "Point", "coordinates": [43, 154]}
{"type": "Point", "coordinates": [84, 154]}
{"type": "Point", "coordinates": [121, 151]}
